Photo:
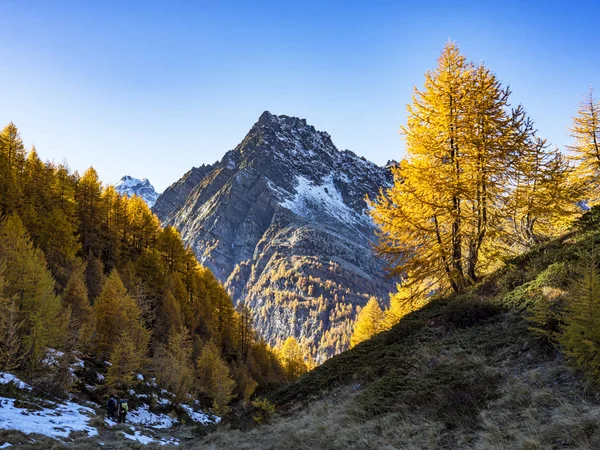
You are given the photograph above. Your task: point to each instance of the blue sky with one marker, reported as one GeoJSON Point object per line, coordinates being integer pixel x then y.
{"type": "Point", "coordinates": [153, 88]}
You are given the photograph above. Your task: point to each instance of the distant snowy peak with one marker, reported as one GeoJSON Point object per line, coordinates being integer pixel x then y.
{"type": "Point", "coordinates": [134, 186]}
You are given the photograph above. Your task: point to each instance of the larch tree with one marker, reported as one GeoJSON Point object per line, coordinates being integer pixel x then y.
{"type": "Point", "coordinates": [174, 365]}
{"type": "Point", "coordinates": [118, 315]}
{"type": "Point", "coordinates": [543, 196]}
{"type": "Point", "coordinates": [586, 148]}
{"type": "Point", "coordinates": [402, 302]}
{"type": "Point", "coordinates": [91, 212]}
{"type": "Point", "coordinates": [125, 359]}
{"type": "Point", "coordinates": [81, 323]}
{"type": "Point", "coordinates": [12, 160]}
{"type": "Point", "coordinates": [29, 282]}
{"type": "Point", "coordinates": [580, 337]}
{"type": "Point", "coordinates": [442, 224]}
{"type": "Point", "coordinates": [369, 322]}
{"type": "Point", "coordinates": [11, 356]}
{"type": "Point", "coordinates": [292, 359]}
{"type": "Point", "coordinates": [214, 377]}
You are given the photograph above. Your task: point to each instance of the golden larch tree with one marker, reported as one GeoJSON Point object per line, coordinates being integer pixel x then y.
{"type": "Point", "coordinates": [586, 148]}
{"type": "Point", "coordinates": [369, 322]}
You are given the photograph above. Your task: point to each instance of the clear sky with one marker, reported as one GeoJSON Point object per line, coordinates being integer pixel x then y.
{"type": "Point", "coordinates": [152, 88]}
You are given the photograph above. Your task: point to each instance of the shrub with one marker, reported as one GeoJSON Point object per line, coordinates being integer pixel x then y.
{"type": "Point", "coordinates": [264, 410]}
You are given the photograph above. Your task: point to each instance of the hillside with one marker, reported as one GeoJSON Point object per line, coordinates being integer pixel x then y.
{"type": "Point", "coordinates": [464, 372]}
{"type": "Point", "coordinates": [282, 221]}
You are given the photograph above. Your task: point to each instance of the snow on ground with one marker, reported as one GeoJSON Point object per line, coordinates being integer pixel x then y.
{"type": "Point", "coordinates": [6, 378]}
{"type": "Point", "coordinates": [200, 417]}
{"type": "Point", "coordinates": [57, 422]}
{"type": "Point", "coordinates": [53, 359]}
{"type": "Point", "coordinates": [145, 440]}
{"type": "Point", "coordinates": [6, 445]}
{"type": "Point", "coordinates": [143, 416]}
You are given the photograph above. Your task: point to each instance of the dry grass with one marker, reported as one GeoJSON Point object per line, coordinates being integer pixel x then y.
{"type": "Point", "coordinates": [542, 408]}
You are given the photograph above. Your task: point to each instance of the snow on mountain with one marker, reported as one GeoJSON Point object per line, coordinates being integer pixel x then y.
{"type": "Point", "coordinates": [134, 186]}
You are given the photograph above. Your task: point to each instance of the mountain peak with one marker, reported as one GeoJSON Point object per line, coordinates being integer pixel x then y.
{"type": "Point", "coordinates": [130, 186]}
{"type": "Point", "coordinates": [285, 203]}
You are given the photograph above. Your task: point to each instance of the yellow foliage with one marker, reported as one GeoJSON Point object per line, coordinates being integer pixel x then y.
{"type": "Point", "coordinates": [451, 212]}
{"type": "Point", "coordinates": [117, 315]}
{"type": "Point", "coordinates": [214, 378]}
{"type": "Point", "coordinates": [292, 359]}
{"type": "Point", "coordinates": [586, 148]}
{"type": "Point", "coordinates": [369, 322]}
{"type": "Point", "coordinates": [402, 303]}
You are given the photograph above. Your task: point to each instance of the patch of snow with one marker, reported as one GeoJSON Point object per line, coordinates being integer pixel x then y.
{"type": "Point", "coordinates": [109, 422]}
{"type": "Point", "coordinates": [143, 416]}
{"type": "Point", "coordinates": [6, 445]}
{"type": "Point", "coordinates": [6, 378]}
{"type": "Point", "coordinates": [57, 422]}
{"type": "Point", "coordinates": [145, 440]}
{"type": "Point", "coordinates": [200, 417]}
{"type": "Point", "coordinates": [137, 436]}
{"type": "Point", "coordinates": [100, 376]}
{"type": "Point", "coordinates": [52, 357]}
{"type": "Point", "coordinates": [324, 198]}
{"type": "Point", "coordinates": [140, 377]}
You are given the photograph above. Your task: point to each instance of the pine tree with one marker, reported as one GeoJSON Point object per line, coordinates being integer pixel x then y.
{"type": "Point", "coordinates": [369, 322]}
{"type": "Point", "coordinates": [586, 148]}
{"type": "Point", "coordinates": [214, 378]}
{"type": "Point", "coordinates": [245, 383]}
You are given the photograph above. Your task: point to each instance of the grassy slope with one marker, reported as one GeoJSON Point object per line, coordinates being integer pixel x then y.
{"type": "Point", "coordinates": [463, 372]}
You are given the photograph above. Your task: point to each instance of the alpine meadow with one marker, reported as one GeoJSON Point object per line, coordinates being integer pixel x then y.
{"type": "Point", "coordinates": [434, 290]}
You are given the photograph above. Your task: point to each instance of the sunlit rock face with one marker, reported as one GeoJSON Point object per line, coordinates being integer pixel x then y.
{"type": "Point", "coordinates": [283, 222]}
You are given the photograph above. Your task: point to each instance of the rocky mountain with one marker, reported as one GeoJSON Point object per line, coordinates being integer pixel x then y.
{"type": "Point", "coordinates": [134, 186]}
{"type": "Point", "coordinates": [282, 221]}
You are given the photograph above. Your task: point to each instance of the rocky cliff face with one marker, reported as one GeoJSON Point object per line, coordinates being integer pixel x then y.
{"type": "Point", "coordinates": [282, 221]}
{"type": "Point", "coordinates": [134, 186]}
